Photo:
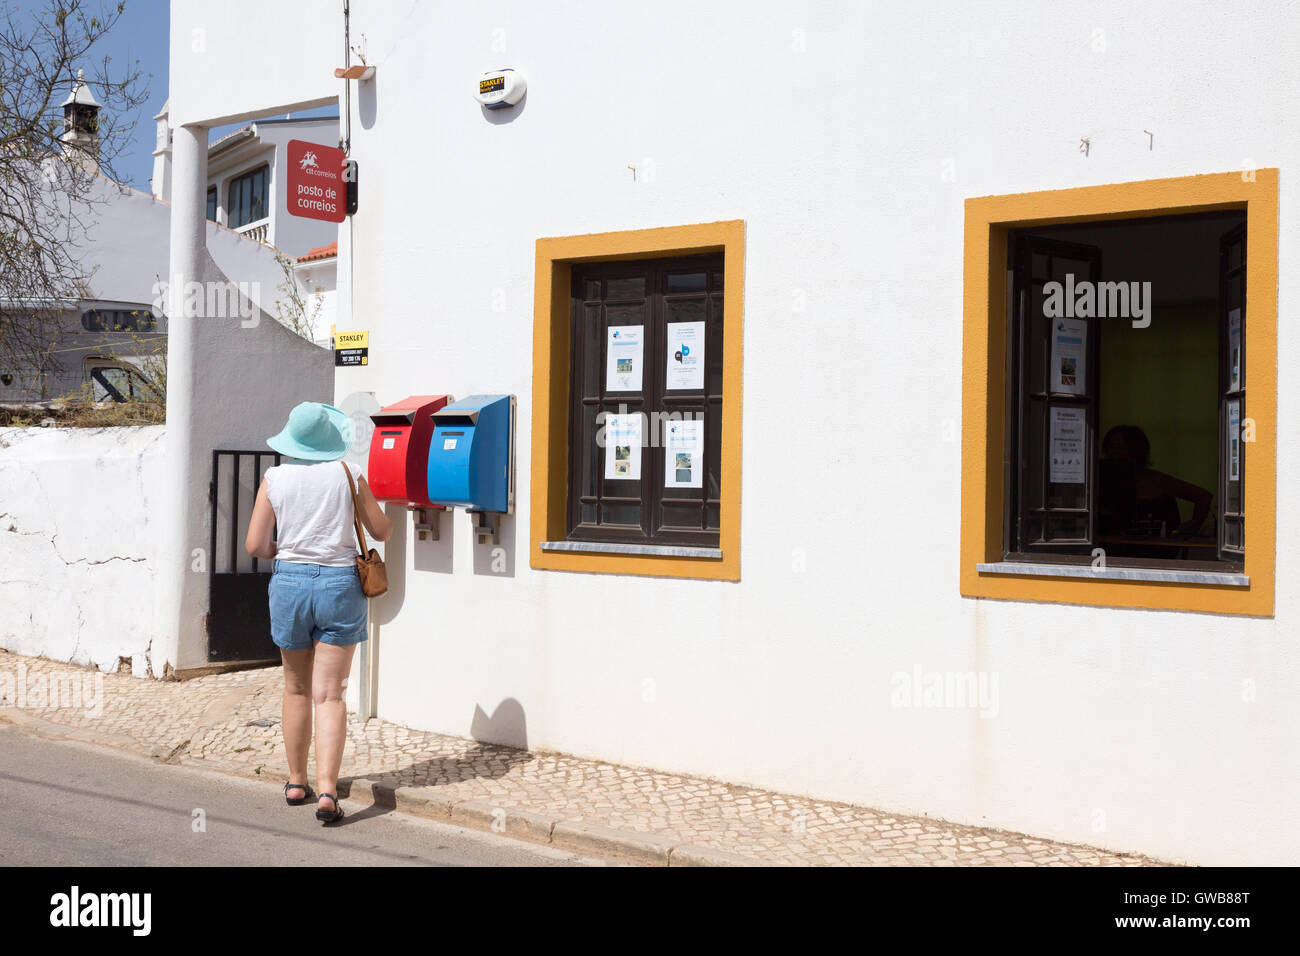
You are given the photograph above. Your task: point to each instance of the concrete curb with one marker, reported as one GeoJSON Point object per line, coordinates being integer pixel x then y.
{"type": "Point", "coordinates": [695, 854]}
{"type": "Point", "coordinates": [521, 824]}
{"type": "Point", "coordinates": [595, 838]}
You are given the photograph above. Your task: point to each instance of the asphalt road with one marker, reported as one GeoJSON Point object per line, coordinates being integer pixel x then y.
{"type": "Point", "coordinates": [71, 804]}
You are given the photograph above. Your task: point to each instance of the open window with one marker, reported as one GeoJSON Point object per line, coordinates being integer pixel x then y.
{"type": "Point", "coordinates": [1173, 362]}
{"type": "Point", "coordinates": [1126, 392]}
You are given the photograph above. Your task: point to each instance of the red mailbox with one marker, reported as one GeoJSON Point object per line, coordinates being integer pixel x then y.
{"type": "Point", "coordinates": [399, 451]}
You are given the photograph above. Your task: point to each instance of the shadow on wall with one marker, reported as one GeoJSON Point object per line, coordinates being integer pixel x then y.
{"type": "Point", "coordinates": [367, 101]}
{"type": "Point", "coordinates": [506, 115]}
{"type": "Point", "coordinates": [436, 556]}
{"type": "Point", "coordinates": [507, 727]}
{"type": "Point", "coordinates": [496, 560]}
{"type": "Point", "coordinates": [427, 555]}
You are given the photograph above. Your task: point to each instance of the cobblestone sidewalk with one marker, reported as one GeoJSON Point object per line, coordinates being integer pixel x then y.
{"type": "Point", "coordinates": [231, 722]}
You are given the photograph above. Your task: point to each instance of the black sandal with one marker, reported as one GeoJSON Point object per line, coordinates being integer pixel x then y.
{"type": "Point", "coordinates": [329, 816]}
{"type": "Point", "coordinates": [297, 801]}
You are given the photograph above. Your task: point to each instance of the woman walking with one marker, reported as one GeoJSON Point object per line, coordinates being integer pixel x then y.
{"type": "Point", "coordinates": [318, 611]}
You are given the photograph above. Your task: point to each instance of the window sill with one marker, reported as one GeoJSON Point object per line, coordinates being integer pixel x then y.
{"type": "Point", "coordinates": [1220, 578]}
{"type": "Point", "coordinates": [653, 550]}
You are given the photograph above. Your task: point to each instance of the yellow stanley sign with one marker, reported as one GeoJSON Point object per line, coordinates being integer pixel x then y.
{"type": "Point", "coordinates": [352, 340]}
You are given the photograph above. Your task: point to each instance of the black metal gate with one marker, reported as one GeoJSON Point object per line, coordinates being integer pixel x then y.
{"type": "Point", "coordinates": [239, 624]}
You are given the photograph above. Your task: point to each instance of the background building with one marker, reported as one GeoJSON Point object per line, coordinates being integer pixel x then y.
{"type": "Point", "coordinates": [121, 318]}
{"type": "Point", "coordinates": [246, 176]}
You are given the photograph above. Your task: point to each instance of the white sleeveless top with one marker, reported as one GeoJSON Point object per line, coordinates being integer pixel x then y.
{"type": "Point", "coordinates": [313, 512]}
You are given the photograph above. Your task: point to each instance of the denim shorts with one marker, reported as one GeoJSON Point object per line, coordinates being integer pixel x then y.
{"type": "Point", "coordinates": [314, 602]}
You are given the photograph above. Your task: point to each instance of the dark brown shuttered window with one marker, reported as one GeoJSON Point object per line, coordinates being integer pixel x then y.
{"type": "Point", "coordinates": [653, 295]}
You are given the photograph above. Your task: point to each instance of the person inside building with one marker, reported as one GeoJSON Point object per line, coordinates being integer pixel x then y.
{"type": "Point", "coordinates": [1137, 498]}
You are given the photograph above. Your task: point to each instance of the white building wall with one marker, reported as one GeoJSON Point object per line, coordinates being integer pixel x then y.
{"type": "Point", "coordinates": [317, 280]}
{"type": "Point", "coordinates": [125, 249]}
{"type": "Point", "coordinates": [847, 136]}
{"type": "Point", "coordinates": [78, 530]}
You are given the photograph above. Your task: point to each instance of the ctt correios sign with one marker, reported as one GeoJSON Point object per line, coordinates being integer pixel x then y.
{"type": "Point", "coordinates": [317, 189]}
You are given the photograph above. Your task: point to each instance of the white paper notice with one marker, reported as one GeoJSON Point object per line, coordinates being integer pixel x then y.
{"type": "Point", "coordinates": [685, 356]}
{"type": "Point", "coordinates": [1234, 350]}
{"type": "Point", "coordinates": [1067, 446]}
{"type": "Point", "coordinates": [1234, 440]}
{"type": "Point", "coordinates": [623, 358]}
{"type": "Point", "coordinates": [623, 447]}
{"type": "Point", "coordinates": [448, 444]}
{"type": "Point", "coordinates": [389, 443]}
{"type": "Point", "coordinates": [1068, 371]}
{"type": "Point", "coordinates": [684, 454]}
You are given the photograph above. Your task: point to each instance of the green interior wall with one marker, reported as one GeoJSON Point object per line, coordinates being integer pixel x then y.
{"type": "Point", "coordinates": [1165, 380]}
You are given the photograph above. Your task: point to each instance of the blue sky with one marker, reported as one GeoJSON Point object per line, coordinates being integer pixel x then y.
{"type": "Point", "coordinates": [140, 37]}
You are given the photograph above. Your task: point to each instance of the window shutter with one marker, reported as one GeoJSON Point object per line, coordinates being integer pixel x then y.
{"type": "Point", "coordinates": [1055, 379]}
{"type": "Point", "coordinates": [1232, 403]}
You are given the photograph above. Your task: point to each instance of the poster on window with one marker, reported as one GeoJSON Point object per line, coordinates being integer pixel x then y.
{"type": "Point", "coordinates": [685, 355]}
{"type": "Point", "coordinates": [623, 358]}
{"type": "Point", "coordinates": [1234, 440]}
{"type": "Point", "coordinates": [622, 436]}
{"type": "Point", "coordinates": [684, 454]}
{"type": "Point", "coordinates": [1234, 350]}
{"type": "Point", "coordinates": [1068, 372]}
{"type": "Point", "coordinates": [1067, 464]}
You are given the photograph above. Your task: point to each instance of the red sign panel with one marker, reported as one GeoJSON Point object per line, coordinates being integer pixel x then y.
{"type": "Point", "coordinates": [316, 188]}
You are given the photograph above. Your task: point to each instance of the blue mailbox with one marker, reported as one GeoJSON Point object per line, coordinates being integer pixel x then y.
{"type": "Point", "coordinates": [471, 457]}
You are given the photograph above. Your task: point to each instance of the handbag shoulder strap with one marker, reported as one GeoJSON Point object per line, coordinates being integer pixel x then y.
{"type": "Point", "coordinates": [356, 510]}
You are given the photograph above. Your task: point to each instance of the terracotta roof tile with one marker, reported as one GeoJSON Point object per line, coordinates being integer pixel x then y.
{"type": "Point", "coordinates": [321, 252]}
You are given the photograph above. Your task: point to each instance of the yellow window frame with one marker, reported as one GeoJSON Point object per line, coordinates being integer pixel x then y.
{"type": "Point", "coordinates": [551, 378]}
{"type": "Point", "coordinates": [989, 219]}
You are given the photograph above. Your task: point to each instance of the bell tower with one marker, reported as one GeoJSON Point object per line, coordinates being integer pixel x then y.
{"type": "Point", "coordinates": [80, 120]}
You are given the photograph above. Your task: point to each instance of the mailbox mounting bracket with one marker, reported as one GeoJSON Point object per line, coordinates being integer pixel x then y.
{"type": "Point", "coordinates": [487, 523]}
{"type": "Point", "coordinates": [428, 523]}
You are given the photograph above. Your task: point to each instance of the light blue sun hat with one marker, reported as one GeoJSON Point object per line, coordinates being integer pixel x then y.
{"type": "Point", "coordinates": [314, 432]}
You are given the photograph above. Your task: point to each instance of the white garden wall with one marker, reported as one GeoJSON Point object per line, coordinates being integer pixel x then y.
{"type": "Point", "coordinates": [78, 528]}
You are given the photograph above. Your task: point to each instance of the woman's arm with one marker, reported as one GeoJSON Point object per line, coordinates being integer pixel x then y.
{"type": "Point", "coordinates": [261, 525]}
{"type": "Point", "coordinates": [372, 516]}
{"type": "Point", "coordinates": [1198, 496]}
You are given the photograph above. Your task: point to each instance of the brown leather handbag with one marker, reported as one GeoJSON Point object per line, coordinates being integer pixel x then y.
{"type": "Point", "coordinates": [374, 576]}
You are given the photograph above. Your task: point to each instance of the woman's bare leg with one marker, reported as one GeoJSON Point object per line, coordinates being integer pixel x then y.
{"type": "Point", "coordinates": [329, 671]}
{"type": "Point", "coordinates": [295, 715]}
